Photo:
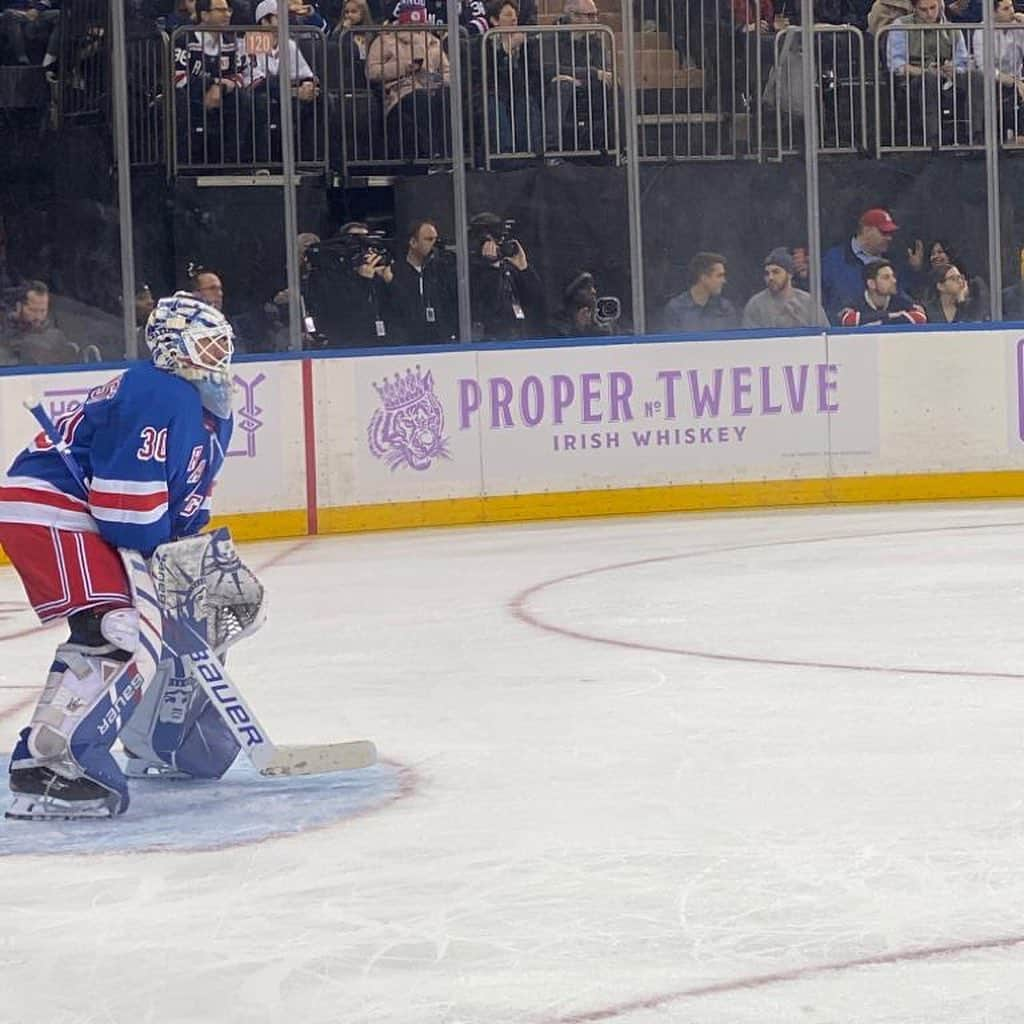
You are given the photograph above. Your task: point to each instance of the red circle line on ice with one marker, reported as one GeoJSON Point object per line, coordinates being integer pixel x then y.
{"type": "Point", "coordinates": [519, 606]}
{"type": "Point", "coordinates": [663, 999]}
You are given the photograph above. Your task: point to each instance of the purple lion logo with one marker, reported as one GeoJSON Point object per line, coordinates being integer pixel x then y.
{"type": "Point", "coordinates": [409, 429]}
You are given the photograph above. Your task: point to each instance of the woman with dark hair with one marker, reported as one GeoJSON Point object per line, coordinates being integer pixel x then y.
{"type": "Point", "coordinates": [952, 299]}
{"type": "Point", "coordinates": [939, 255]}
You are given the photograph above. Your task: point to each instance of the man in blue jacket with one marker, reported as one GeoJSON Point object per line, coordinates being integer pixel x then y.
{"type": "Point", "coordinates": [842, 267]}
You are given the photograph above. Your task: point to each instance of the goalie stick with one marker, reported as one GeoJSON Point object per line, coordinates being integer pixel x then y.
{"type": "Point", "coordinates": [208, 670]}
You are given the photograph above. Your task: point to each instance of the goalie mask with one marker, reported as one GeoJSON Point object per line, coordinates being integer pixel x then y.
{"type": "Point", "coordinates": [193, 340]}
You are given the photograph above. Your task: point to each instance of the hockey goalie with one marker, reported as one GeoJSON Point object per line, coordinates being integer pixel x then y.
{"type": "Point", "coordinates": [115, 550]}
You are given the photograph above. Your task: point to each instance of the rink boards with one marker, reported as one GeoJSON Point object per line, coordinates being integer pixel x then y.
{"type": "Point", "coordinates": [417, 437]}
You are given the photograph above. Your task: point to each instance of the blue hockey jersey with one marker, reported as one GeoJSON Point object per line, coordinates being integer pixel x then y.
{"type": "Point", "coordinates": [150, 453]}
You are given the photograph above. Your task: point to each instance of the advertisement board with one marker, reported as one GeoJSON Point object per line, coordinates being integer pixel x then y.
{"type": "Point", "coordinates": [491, 432]}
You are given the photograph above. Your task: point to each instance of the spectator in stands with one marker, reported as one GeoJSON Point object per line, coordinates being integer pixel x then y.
{"type": "Point", "coordinates": [349, 289]}
{"type": "Point", "coordinates": [950, 301]}
{"type": "Point", "coordinates": [931, 69]}
{"type": "Point", "coordinates": [755, 23]}
{"type": "Point", "coordinates": [207, 285]}
{"type": "Point", "coordinates": [354, 44]}
{"type": "Point", "coordinates": [515, 82]}
{"type": "Point", "coordinates": [306, 12]}
{"type": "Point", "coordinates": [881, 303]}
{"type": "Point", "coordinates": [184, 13]}
{"type": "Point", "coordinates": [423, 294]}
{"type": "Point", "coordinates": [780, 305]}
{"type": "Point", "coordinates": [885, 12]}
{"type": "Point", "coordinates": [965, 11]}
{"type": "Point", "coordinates": [842, 266]}
{"type": "Point", "coordinates": [25, 29]}
{"type": "Point", "coordinates": [801, 267]}
{"type": "Point", "coordinates": [412, 69]}
{"type": "Point", "coordinates": [505, 292]}
{"type": "Point", "coordinates": [262, 76]}
{"type": "Point", "coordinates": [1009, 64]}
{"type": "Point", "coordinates": [472, 14]}
{"type": "Point", "coordinates": [28, 334]}
{"type": "Point", "coordinates": [702, 307]}
{"type": "Point", "coordinates": [940, 253]}
{"type": "Point", "coordinates": [579, 112]}
{"type": "Point", "coordinates": [213, 125]}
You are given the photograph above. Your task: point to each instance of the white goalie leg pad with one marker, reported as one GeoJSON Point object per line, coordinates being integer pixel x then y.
{"type": "Point", "coordinates": [202, 581]}
{"type": "Point", "coordinates": [62, 765]}
{"type": "Point", "coordinates": [79, 679]}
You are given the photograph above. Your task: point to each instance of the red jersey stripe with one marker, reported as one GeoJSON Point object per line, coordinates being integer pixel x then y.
{"type": "Point", "coordinates": [55, 499]}
{"type": "Point", "coordinates": [128, 502]}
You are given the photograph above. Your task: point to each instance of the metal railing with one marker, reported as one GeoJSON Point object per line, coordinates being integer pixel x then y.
{"type": "Point", "coordinates": [840, 91]}
{"type": "Point", "coordinates": [83, 90]}
{"type": "Point", "coordinates": [529, 93]}
{"type": "Point", "coordinates": [928, 94]}
{"type": "Point", "coordinates": [700, 76]}
{"type": "Point", "coordinates": [1007, 64]}
{"type": "Point", "coordinates": [395, 97]}
{"type": "Point", "coordinates": [549, 91]}
{"type": "Point", "coordinates": [225, 111]}
{"type": "Point", "coordinates": [149, 98]}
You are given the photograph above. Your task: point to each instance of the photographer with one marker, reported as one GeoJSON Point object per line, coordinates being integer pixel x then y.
{"type": "Point", "coordinates": [505, 292]}
{"type": "Point", "coordinates": [349, 283]}
{"type": "Point", "coordinates": [423, 303]}
{"type": "Point", "coordinates": [584, 313]}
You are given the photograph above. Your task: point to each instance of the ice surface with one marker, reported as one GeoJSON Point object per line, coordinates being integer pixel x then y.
{"type": "Point", "coordinates": [759, 767]}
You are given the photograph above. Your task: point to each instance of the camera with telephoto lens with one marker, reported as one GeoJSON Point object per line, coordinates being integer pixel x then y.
{"type": "Point", "coordinates": [507, 243]}
{"type": "Point", "coordinates": [607, 310]}
{"type": "Point", "coordinates": [349, 251]}
{"type": "Point", "coordinates": [372, 244]}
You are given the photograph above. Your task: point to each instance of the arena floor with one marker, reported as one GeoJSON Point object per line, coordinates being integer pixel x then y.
{"type": "Point", "coordinates": [762, 767]}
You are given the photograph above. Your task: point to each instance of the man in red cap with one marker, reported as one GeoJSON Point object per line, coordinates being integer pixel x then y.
{"type": "Point", "coordinates": [842, 267]}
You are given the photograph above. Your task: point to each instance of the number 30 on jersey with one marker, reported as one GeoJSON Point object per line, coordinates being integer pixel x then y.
{"type": "Point", "coordinates": [154, 445]}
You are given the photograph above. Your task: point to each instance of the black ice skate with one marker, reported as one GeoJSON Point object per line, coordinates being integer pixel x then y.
{"type": "Point", "coordinates": [40, 794]}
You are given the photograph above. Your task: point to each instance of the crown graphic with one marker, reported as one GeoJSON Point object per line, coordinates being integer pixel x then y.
{"type": "Point", "coordinates": [404, 390]}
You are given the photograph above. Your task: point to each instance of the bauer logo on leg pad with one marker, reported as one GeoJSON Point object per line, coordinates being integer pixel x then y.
{"type": "Point", "coordinates": [125, 695]}
{"type": "Point", "coordinates": [226, 695]}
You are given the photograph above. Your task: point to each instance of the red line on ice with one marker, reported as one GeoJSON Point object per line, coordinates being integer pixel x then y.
{"type": "Point", "coordinates": [519, 607]}
{"type": "Point", "coordinates": [659, 1000]}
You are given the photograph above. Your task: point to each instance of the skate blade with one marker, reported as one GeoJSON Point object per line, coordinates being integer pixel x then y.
{"type": "Point", "coordinates": [136, 768]}
{"type": "Point", "coordinates": [32, 808]}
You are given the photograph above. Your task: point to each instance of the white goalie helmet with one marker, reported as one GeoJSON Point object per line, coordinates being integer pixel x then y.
{"type": "Point", "coordinates": [194, 340]}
